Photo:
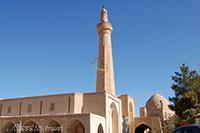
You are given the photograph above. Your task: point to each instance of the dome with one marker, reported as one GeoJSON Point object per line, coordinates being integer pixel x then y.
{"type": "Point", "coordinates": [156, 100]}
{"type": "Point", "coordinates": [157, 105]}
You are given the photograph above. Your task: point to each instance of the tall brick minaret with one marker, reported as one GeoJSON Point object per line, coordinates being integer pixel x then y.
{"type": "Point", "coordinates": [105, 70]}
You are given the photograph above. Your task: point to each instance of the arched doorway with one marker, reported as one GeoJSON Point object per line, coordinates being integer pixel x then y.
{"type": "Point", "coordinates": [114, 118]}
{"type": "Point", "coordinates": [100, 129]}
{"type": "Point", "coordinates": [30, 127]}
{"type": "Point", "coordinates": [53, 127]}
{"type": "Point", "coordinates": [77, 127]}
{"type": "Point", "coordinates": [9, 128]}
{"type": "Point", "coordinates": [143, 128]}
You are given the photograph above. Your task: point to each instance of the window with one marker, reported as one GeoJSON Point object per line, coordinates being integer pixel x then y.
{"type": "Point", "coordinates": [29, 109]}
{"type": "Point", "coordinates": [9, 109]}
{"type": "Point", "coordinates": [52, 107]}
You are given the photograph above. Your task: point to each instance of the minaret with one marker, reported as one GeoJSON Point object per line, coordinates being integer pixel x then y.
{"type": "Point", "coordinates": [105, 70]}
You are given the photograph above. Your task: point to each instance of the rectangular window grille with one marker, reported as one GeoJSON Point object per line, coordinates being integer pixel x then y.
{"type": "Point", "coordinates": [52, 107]}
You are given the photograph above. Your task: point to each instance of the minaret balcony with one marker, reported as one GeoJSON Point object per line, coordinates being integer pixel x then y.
{"type": "Point", "coordinates": [104, 26]}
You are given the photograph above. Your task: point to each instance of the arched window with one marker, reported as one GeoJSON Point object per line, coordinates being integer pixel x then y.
{"type": "Point", "coordinates": [114, 118]}
{"type": "Point", "coordinates": [100, 129]}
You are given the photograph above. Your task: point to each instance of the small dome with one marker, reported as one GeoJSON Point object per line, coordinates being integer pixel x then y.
{"type": "Point", "coordinates": [157, 105]}
{"type": "Point", "coordinates": [156, 99]}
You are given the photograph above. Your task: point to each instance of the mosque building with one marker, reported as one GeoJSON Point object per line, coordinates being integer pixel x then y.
{"type": "Point", "coordinates": [96, 112]}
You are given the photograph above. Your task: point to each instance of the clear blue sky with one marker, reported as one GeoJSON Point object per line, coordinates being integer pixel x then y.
{"type": "Point", "coordinates": [48, 46]}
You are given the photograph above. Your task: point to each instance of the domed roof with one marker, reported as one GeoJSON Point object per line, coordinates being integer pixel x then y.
{"type": "Point", "coordinates": [157, 105]}
{"type": "Point", "coordinates": [156, 99]}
